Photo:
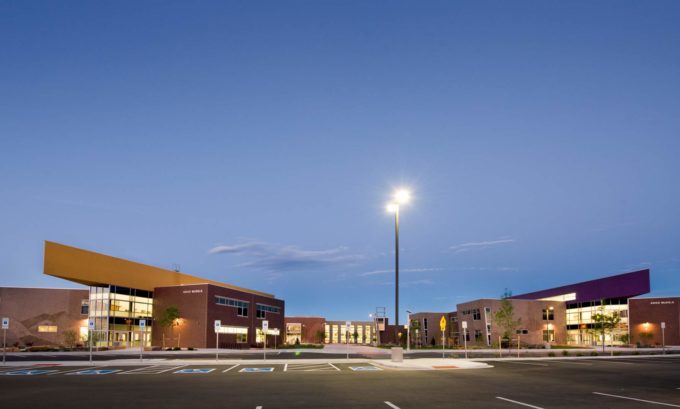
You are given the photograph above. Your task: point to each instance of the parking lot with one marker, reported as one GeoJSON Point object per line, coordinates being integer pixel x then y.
{"type": "Point", "coordinates": [544, 384]}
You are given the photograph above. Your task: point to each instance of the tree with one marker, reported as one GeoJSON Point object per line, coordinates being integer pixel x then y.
{"type": "Point", "coordinates": [355, 336]}
{"type": "Point", "coordinates": [321, 336]}
{"type": "Point", "coordinates": [414, 328]}
{"type": "Point", "coordinates": [504, 317]}
{"type": "Point", "coordinates": [70, 338]}
{"type": "Point", "coordinates": [604, 322]}
{"type": "Point", "coordinates": [646, 337]}
{"type": "Point", "coordinates": [169, 319]}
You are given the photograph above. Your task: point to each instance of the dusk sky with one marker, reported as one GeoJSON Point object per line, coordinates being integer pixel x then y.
{"type": "Point", "coordinates": [257, 143]}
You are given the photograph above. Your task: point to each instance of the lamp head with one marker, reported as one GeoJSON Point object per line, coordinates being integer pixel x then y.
{"type": "Point", "coordinates": [402, 196]}
{"type": "Point", "coordinates": [392, 208]}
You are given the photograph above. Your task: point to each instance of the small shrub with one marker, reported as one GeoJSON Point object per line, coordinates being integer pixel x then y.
{"type": "Point", "coordinates": [565, 352]}
{"type": "Point", "coordinates": [593, 353]}
{"type": "Point", "coordinates": [579, 354]}
{"type": "Point", "coordinates": [636, 353]}
{"type": "Point", "coordinates": [176, 349]}
{"type": "Point", "coordinates": [191, 349]}
{"type": "Point", "coordinates": [617, 353]}
{"type": "Point", "coordinates": [551, 353]}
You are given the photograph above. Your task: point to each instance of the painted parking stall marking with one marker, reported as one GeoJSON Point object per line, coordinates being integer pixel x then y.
{"type": "Point", "coordinates": [88, 372]}
{"type": "Point", "coordinates": [151, 370]}
{"type": "Point", "coordinates": [365, 368]}
{"type": "Point", "coordinates": [194, 370]}
{"type": "Point", "coordinates": [29, 372]}
{"type": "Point", "coordinates": [392, 405]}
{"type": "Point", "coordinates": [516, 402]}
{"type": "Point", "coordinates": [637, 400]}
{"type": "Point", "coordinates": [311, 367]}
{"type": "Point", "coordinates": [257, 370]}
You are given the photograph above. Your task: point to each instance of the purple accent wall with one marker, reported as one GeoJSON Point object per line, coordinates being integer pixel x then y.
{"type": "Point", "coordinates": [618, 286]}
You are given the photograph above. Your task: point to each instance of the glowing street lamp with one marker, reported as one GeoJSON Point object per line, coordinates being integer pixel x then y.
{"type": "Point", "coordinates": [401, 196]}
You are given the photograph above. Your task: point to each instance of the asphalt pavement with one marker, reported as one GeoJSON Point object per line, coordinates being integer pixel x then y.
{"type": "Point", "coordinates": [544, 384]}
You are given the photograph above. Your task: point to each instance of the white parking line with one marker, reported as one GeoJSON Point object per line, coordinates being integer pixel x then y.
{"type": "Point", "coordinates": [310, 367]}
{"type": "Point", "coordinates": [518, 403]}
{"type": "Point", "coordinates": [173, 368]}
{"type": "Point", "coordinates": [285, 368]}
{"type": "Point", "coordinates": [636, 399]}
{"type": "Point", "coordinates": [392, 405]}
{"type": "Point", "coordinates": [71, 370]}
{"type": "Point", "coordinates": [337, 369]}
{"type": "Point", "coordinates": [230, 368]}
{"type": "Point", "coordinates": [10, 369]}
{"type": "Point", "coordinates": [258, 407]}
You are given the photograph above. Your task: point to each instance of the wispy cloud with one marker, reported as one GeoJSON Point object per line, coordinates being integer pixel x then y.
{"type": "Point", "coordinates": [278, 257]}
{"type": "Point", "coordinates": [423, 281]}
{"type": "Point", "coordinates": [478, 245]}
{"type": "Point", "coordinates": [403, 270]}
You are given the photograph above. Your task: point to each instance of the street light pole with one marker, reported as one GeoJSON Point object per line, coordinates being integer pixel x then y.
{"type": "Point", "coordinates": [401, 196]}
{"type": "Point", "coordinates": [396, 267]}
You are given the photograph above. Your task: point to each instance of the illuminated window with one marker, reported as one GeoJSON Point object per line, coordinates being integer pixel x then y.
{"type": "Point", "coordinates": [241, 338]}
{"type": "Point", "coordinates": [47, 328]}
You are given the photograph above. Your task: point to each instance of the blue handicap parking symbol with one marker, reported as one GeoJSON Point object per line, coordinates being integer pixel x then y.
{"type": "Point", "coordinates": [364, 368]}
{"type": "Point", "coordinates": [195, 370]}
{"type": "Point", "coordinates": [94, 372]}
{"type": "Point", "coordinates": [28, 372]}
{"type": "Point", "coordinates": [257, 370]}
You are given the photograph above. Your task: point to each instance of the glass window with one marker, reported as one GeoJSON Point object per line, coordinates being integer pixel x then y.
{"type": "Point", "coordinates": [476, 315]}
{"type": "Point", "coordinates": [47, 328]}
{"type": "Point", "coordinates": [262, 310]}
{"type": "Point", "coordinates": [548, 314]}
{"type": "Point", "coordinates": [241, 306]}
{"type": "Point", "coordinates": [241, 338]}
{"type": "Point", "coordinates": [478, 335]}
{"type": "Point", "coordinates": [84, 307]}
{"type": "Point", "coordinates": [548, 335]}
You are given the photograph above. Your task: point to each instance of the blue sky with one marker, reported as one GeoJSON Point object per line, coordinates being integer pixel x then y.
{"type": "Point", "coordinates": [257, 143]}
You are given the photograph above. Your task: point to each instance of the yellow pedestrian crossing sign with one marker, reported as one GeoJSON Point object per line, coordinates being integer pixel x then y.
{"type": "Point", "coordinates": [442, 324]}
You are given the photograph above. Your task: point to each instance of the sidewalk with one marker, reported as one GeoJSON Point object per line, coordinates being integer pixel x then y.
{"type": "Point", "coordinates": [428, 364]}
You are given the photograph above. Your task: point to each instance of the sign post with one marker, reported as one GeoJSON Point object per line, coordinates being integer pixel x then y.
{"type": "Point", "coordinates": [663, 337]}
{"type": "Point", "coordinates": [347, 324]}
{"type": "Point", "coordinates": [407, 327]}
{"type": "Point", "coordinates": [5, 326]}
{"type": "Point", "coordinates": [90, 327]}
{"type": "Point", "coordinates": [142, 332]}
{"type": "Point", "coordinates": [218, 326]}
{"type": "Point", "coordinates": [265, 330]}
{"type": "Point", "coordinates": [465, 337]}
{"type": "Point", "coordinates": [442, 326]}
